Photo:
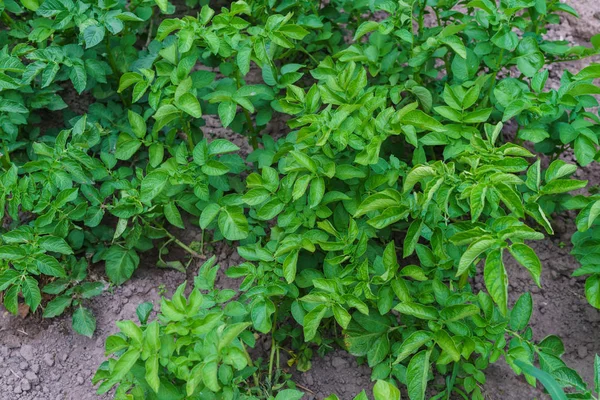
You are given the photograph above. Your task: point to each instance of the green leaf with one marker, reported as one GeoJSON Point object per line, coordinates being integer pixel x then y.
{"type": "Point", "coordinates": [417, 310]}
{"type": "Point", "coordinates": [553, 388]}
{"type": "Point", "coordinates": [506, 39]}
{"type": "Point", "coordinates": [11, 299]}
{"type": "Point", "coordinates": [585, 150]}
{"type": "Point", "coordinates": [446, 343]}
{"type": "Point", "coordinates": [289, 266]}
{"type": "Point", "coordinates": [31, 292]}
{"type": "Point", "coordinates": [214, 168]}
{"type": "Point", "coordinates": [597, 373]}
{"type": "Point", "coordinates": [477, 200]}
{"type": "Point", "coordinates": [527, 258]}
{"type": "Point", "coordinates": [84, 322]}
{"type": "Point", "coordinates": [227, 110]}
{"type": "Point", "coordinates": [208, 215]}
{"type": "Point", "coordinates": [385, 391]}
{"type": "Point", "coordinates": [126, 147]}
{"type": "Point", "coordinates": [173, 216]}
{"type": "Point", "coordinates": [289, 394]}
{"type": "Point", "coordinates": [12, 252]}
{"type": "Point", "coordinates": [417, 374]}
{"type": "Point", "coordinates": [552, 345]}
{"type": "Point", "coordinates": [189, 104]}
{"type": "Point", "coordinates": [378, 351]}
{"type": "Point", "coordinates": [412, 343]}
{"type": "Point", "coordinates": [233, 223]}
{"type": "Point", "coordinates": [412, 237]}
{"type": "Point", "coordinates": [419, 119]}
{"type": "Point", "coordinates": [120, 263]}
{"type": "Point", "coordinates": [32, 5]}
{"type": "Point", "coordinates": [55, 244]}
{"type": "Point", "coordinates": [124, 365]}
{"type": "Point", "coordinates": [79, 77]}
{"type": "Point", "coordinates": [563, 186]}
{"type": "Point", "coordinates": [49, 266]}
{"type": "Point", "coordinates": [261, 315]}
{"type": "Point", "coordinates": [416, 175]}
{"type": "Point", "coordinates": [312, 320]}
{"type": "Point", "coordinates": [57, 306]}
{"type": "Point", "coordinates": [472, 253]}
{"type": "Point", "coordinates": [341, 315]}
{"type": "Point", "coordinates": [458, 311]}
{"type": "Point", "coordinates": [7, 278]}
{"type": "Point", "coordinates": [138, 125]}
{"type": "Point", "coordinates": [143, 311]}
{"type": "Point", "coordinates": [592, 290]}
{"type": "Point", "coordinates": [163, 5]}
{"type": "Point", "coordinates": [510, 197]}
{"type": "Point", "coordinates": [221, 146]}
{"type": "Point", "coordinates": [364, 28]}
{"type": "Point", "coordinates": [164, 115]}
{"type": "Point", "coordinates": [131, 330]}
{"type": "Point", "coordinates": [521, 312]}
{"type": "Point", "coordinates": [152, 185]}
{"type": "Point", "coordinates": [92, 35]}
{"type": "Point", "coordinates": [496, 280]}
{"type": "Point", "coordinates": [317, 190]}
{"type": "Point", "coordinates": [293, 31]}
{"type": "Point", "coordinates": [305, 161]}
{"type": "Point", "coordinates": [152, 372]}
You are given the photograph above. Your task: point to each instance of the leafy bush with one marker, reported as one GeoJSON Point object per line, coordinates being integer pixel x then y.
{"type": "Point", "coordinates": [400, 115]}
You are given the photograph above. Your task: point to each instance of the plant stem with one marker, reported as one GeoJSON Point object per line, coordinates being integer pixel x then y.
{"type": "Point", "coordinates": [188, 133]}
{"type": "Point", "coordinates": [253, 132]}
{"type": "Point", "coordinates": [421, 16]}
{"type": "Point", "coordinates": [273, 347]}
{"type": "Point", "coordinates": [6, 157]}
{"type": "Point", "coordinates": [495, 75]}
{"type": "Point", "coordinates": [113, 66]}
{"type": "Point", "coordinates": [183, 245]}
{"type": "Point", "coordinates": [177, 241]}
{"type": "Point", "coordinates": [250, 363]}
{"type": "Point", "coordinates": [4, 17]}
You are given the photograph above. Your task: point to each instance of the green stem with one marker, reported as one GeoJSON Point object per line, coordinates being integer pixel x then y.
{"type": "Point", "coordinates": [309, 55]}
{"type": "Point", "coordinates": [6, 157]}
{"type": "Point", "coordinates": [183, 245]}
{"type": "Point", "coordinates": [178, 242]}
{"type": "Point", "coordinates": [202, 242]}
{"type": "Point", "coordinates": [253, 132]}
{"type": "Point", "coordinates": [495, 75]}
{"type": "Point", "coordinates": [4, 17]}
{"type": "Point", "coordinates": [189, 136]}
{"type": "Point", "coordinates": [273, 347]}
{"type": "Point", "coordinates": [250, 363]}
{"type": "Point", "coordinates": [421, 16]}
{"type": "Point", "coordinates": [113, 66]}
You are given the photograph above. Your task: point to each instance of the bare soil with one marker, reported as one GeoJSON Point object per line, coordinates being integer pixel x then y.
{"type": "Point", "coordinates": [45, 360]}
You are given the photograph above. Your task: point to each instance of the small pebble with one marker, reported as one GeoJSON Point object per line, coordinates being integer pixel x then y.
{"type": "Point", "coordinates": [31, 377]}
{"type": "Point", "coordinates": [80, 380]}
{"type": "Point", "coordinates": [48, 359]}
{"type": "Point", "coordinates": [25, 385]}
{"type": "Point", "coordinates": [23, 365]}
{"type": "Point", "coordinates": [26, 352]}
{"type": "Point", "coordinates": [582, 351]}
{"type": "Point", "coordinates": [17, 389]}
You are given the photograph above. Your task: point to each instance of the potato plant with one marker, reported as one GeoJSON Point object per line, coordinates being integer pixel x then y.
{"type": "Point", "coordinates": [402, 178]}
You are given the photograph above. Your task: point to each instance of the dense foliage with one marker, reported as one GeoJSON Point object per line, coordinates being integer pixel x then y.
{"type": "Point", "coordinates": [362, 226]}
